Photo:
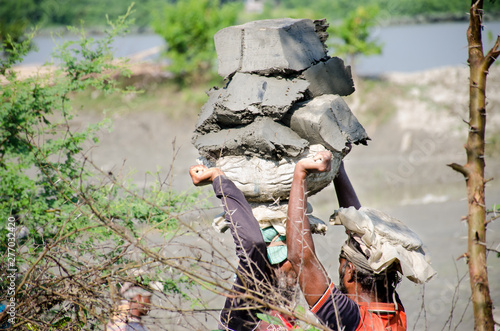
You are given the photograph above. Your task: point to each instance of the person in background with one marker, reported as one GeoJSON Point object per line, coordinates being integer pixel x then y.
{"type": "Point", "coordinates": [135, 304]}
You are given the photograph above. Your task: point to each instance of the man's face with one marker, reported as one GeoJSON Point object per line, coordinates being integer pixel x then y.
{"type": "Point", "coordinates": [342, 266]}
{"type": "Point", "coordinates": [140, 305]}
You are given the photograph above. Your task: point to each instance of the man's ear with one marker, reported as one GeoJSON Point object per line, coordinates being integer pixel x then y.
{"type": "Point", "coordinates": [349, 272]}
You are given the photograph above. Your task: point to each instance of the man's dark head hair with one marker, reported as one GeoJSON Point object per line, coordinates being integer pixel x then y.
{"type": "Point", "coordinates": [382, 284]}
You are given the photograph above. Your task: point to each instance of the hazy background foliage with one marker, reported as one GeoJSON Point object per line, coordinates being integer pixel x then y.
{"type": "Point", "coordinates": [188, 26]}
{"type": "Point", "coordinates": [18, 15]}
{"type": "Point", "coordinates": [73, 222]}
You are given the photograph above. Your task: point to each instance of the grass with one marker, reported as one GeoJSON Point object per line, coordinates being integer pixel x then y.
{"type": "Point", "coordinates": [162, 97]}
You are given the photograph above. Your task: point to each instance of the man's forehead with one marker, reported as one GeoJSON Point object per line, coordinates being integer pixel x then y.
{"type": "Point", "coordinates": [142, 298]}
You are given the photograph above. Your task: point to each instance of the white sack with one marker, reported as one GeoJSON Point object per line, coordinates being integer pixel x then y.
{"type": "Point", "coordinates": [263, 180]}
{"type": "Point", "coordinates": [388, 240]}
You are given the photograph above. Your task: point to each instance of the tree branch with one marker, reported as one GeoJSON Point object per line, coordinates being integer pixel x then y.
{"type": "Point", "coordinates": [460, 168]}
{"type": "Point", "coordinates": [492, 55]}
{"type": "Point", "coordinates": [492, 219]}
{"type": "Point", "coordinates": [493, 250]}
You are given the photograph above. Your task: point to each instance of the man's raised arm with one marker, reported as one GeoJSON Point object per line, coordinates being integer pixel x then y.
{"type": "Point", "coordinates": [250, 247]}
{"type": "Point", "coordinates": [312, 277]}
{"type": "Point", "coordinates": [345, 192]}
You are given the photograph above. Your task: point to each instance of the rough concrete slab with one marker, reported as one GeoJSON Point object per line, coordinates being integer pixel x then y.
{"type": "Point", "coordinates": [348, 123]}
{"type": "Point", "coordinates": [320, 27]}
{"type": "Point", "coordinates": [268, 47]}
{"type": "Point", "coordinates": [207, 120]}
{"type": "Point", "coordinates": [245, 90]}
{"type": "Point", "coordinates": [326, 120]}
{"type": "Point", "coordinates": [246, 97]}
{"type": "Point", "coordinates": [330, 77]}
{"type": "Point", "coordinates": [263, 180]}
{"type": "Point", "coordinates": [263, 137]}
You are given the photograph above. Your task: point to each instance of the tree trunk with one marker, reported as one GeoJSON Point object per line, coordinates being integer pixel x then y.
{"type": "Point", "coordinates": [473, 171]}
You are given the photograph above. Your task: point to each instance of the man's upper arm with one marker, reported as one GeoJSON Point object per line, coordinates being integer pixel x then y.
{"type": "Point", "coordinates": [337, 311]}
{"type": "Point", "coordinates": [346, 195]}
{"type": "Point", "coordinates": [244, 227]}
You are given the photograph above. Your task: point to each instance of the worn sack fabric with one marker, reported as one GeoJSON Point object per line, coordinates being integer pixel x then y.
{"type": "Point", "coordinates": [262, 180]}
{"type": "Point", "coordinates": [272, 215]}
{"type": "Point", "coordinates": [388, 240]}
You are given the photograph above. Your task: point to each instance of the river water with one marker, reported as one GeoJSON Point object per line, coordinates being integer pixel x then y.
{"type": "Point", "coordinates": [409, 48]}
{"type": "Point", "coordinates": [406, 48]}
{"type": "Point", "coordinates": [124, 46]}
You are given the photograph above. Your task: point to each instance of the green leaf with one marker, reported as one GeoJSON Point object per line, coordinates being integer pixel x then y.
{"type": "Point", "coordinates": [273, 320]}
{"type": "Point", "coordinates": [62, 322]}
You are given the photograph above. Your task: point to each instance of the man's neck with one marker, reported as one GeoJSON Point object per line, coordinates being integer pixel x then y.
{"type": "Point", "coordinates": [362, 297]}
{"type": "Point", "coordinates": [358, 295]}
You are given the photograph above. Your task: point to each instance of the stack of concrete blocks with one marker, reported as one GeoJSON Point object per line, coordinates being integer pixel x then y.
{"type": "Point", "coordinates": [282, 102]}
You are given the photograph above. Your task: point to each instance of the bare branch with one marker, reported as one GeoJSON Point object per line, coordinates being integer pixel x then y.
{"type": "Point", "coordinates": [459, 168]}
{"type": "Point", "coordinates": [492, 55]}
{"type": "Point", "coordinates": [492, 219]}
{"type": "Point", "coordinates": [488, 180]}
{"type": "Point", "coordinates": [493, 250]}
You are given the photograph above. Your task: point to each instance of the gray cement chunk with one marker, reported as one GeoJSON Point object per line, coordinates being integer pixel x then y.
{"type": "Point", "coordinates": [246, 89]}
{"type": "Point", "coordinates": [320, 27]}
{"type": "Point", "coordinates": [207, 120]}
{"type": "Point", "coordinates": [258, 95]}
{"type": "Point", "coordinates": [348, 123]}
{"type": "Point", "coordinates": [264, 138]}
{"type": "Point", "coordinates": [246, 97]}
{"type": "Point", "coordinates": [330, 77]}
{"type": "Point", "coordinates": [326, 120]}
{"type": "Point", "coordinates": [268, 47]}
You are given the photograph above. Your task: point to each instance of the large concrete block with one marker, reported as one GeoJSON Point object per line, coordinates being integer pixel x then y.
{"type": "Point", "coordinates": [207, 120]}
{"type": "Point", "coordinates": [348, 123]}
{"type": "Point", "coordinates": [265, 180]}
{"type": "Point", "coordinates": [263, 138]}
{"type": "Point", "coordinates": [267, 96]}
{"type": "Point", "coordinates": [246, 97]}
{"type": "Point", "coordinates": [268, 47]}
{"type": "Point", "coordinates": [326, 120]}
{"type": "Point", "coordinates": [330, 77]}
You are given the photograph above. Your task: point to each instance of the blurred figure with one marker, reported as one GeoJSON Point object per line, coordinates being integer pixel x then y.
{"type": "Point", "coordinates": [3, 307]}
{"type": "Point", "coordinates": [135, 304]}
